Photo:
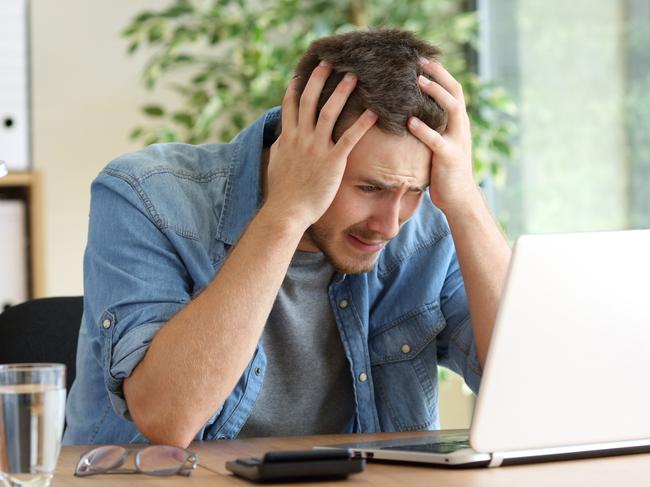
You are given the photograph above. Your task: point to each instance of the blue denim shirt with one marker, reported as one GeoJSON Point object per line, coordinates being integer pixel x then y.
{"type": "Point", "coordinates": [162, 221]}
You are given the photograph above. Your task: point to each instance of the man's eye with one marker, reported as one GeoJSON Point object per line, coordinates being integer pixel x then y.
{"type": "Point", "coordinates": [369, 189]}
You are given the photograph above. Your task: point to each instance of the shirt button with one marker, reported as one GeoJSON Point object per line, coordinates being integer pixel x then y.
{"type": "Point", "coordinates": [106, 324]}
{"type": "Point", "coordinates": [258, 371]}
{"type": "Point", "coordinates": [363, 377]}
{"type": "Point", "coordinates": [343, 303]}
{"type": "Point", "coordinates": [406, 348]}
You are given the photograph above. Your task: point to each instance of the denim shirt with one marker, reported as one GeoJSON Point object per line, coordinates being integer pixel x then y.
{"type": "Point", "coordinates": [162, 221]}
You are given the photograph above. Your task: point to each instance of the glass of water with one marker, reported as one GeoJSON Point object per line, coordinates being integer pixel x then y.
{"type": "Point", "coordinates": [32, 412]}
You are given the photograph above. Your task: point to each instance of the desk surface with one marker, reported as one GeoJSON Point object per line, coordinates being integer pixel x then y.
{"type": "Point", "coordinates": [627, 470]}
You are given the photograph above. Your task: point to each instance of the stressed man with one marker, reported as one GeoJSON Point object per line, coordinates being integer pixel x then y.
{"type": "Point", "coordinates": [307, 277]}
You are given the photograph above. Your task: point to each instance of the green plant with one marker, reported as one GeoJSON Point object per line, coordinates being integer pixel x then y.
{"type": "Point", "coordinates": [637, 100]}
{"type": "Point", "coordinates": [227, 61]}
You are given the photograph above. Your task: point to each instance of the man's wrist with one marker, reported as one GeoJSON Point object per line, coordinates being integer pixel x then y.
{"type": "Point", "coordinates": [471, 203]}
{"type": "Point", "coordinates": [282, 220]}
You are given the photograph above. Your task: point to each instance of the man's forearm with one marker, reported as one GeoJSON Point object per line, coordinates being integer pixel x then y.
{"type": "Point", "coordinates": [196, 359]}
{"type": "Point", "coordinates": [484, 256]}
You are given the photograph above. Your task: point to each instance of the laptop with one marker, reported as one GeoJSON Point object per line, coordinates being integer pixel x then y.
{"type": "Point", "coordinates": [568, 368]}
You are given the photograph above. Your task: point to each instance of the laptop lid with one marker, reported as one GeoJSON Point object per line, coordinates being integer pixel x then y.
{"type": "Point", "coordinates": [569, 357]}
{"type": "Point", "coordinates": [566, 368]}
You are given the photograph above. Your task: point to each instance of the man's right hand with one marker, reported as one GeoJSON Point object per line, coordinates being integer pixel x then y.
{"type": "Point", "coordinates": [305, 165]}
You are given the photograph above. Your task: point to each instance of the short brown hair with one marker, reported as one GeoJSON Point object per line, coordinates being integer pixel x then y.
{"type": "Point", "coordinates": [386, 63]}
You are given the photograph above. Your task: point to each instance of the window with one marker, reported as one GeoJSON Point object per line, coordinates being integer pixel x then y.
{"type": "Point", "coordinates": [579, 72]}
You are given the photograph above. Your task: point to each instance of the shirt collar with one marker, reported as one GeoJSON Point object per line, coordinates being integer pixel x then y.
{"type": "Point", "coordinates": [244, 186]}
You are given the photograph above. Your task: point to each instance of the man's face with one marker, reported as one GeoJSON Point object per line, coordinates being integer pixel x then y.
{"type": "Point", "coordinates": [381, 188]}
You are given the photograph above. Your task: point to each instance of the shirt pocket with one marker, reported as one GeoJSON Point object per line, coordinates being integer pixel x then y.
{"type": "Point", "coordinates": [404, 369]}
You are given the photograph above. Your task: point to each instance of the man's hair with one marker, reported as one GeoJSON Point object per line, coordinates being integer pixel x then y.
{"type": "Point", "coordinates": [387, 64]}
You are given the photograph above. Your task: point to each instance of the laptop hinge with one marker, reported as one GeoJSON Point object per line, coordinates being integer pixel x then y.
{"type": "Point", "coordinates": [496, 460]}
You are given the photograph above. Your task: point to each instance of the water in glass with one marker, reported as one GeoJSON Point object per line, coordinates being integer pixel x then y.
{"type": "Point", "coordinates": [32, 410]}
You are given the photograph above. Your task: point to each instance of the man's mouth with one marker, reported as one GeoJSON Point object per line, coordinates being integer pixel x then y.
{"type": "Point", "coordinates": [368, 246]}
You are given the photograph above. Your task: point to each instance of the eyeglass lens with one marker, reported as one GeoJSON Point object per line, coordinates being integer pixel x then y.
{"type": "Point", "coordinates": [161, 459]}
{"type": "Point", "coordinates": [102, 458]}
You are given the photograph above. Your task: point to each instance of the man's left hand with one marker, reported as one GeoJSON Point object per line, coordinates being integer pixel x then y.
{"type": "Point", "coordinates": [452, 185]}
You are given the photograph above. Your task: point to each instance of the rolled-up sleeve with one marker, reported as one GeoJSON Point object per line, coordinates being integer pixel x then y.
{"type": "Point", "coordinates": [134, 280]}
{"type": "Point", "coordinates": [125, 355]}
{"type": "Point", "coordinates": [456, 344]}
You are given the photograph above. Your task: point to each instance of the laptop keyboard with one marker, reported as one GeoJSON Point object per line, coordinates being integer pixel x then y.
{"type": "Point", "coordinates": [443, 446]}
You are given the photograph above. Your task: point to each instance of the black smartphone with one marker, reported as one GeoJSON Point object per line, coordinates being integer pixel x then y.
{"type": "Point", "coordinates": [279, 466]}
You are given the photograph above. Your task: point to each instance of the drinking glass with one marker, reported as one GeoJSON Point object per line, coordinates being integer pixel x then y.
{"type": "Point", "coordinates": [32, 411]}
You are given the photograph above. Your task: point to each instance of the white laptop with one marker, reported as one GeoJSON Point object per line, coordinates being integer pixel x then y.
{"type": "Point", "coordinates": [568, 368]}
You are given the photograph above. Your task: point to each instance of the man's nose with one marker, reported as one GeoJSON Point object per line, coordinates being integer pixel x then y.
{"type": "Point", "coordinates": [386, 219]}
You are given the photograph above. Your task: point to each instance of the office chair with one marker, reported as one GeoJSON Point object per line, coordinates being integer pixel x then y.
{"type": "Point", "coordinates": [42, 330]}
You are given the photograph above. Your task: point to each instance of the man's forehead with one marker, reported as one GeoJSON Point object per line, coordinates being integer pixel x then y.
{"type": "Point", "coordinates": [392, 160]}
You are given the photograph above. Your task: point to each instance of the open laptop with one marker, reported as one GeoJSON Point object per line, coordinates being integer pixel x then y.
{"type": "Point", "coordinates": [568, 368]}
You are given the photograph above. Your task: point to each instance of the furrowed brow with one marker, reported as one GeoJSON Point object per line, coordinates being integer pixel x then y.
{"type": "Point", "coordinates": [384, 185]}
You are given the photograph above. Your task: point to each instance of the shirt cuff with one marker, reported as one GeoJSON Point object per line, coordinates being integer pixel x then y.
{"type": "Point", "coordinates": [123, 357]}
{"type": "Point", "coordinates": [464, 356]}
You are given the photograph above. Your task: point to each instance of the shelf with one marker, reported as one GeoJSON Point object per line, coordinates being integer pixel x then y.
{"type": "Point", "coordinates": [18, 179]}
{"type": "Point", "coordinates": [30, 188]}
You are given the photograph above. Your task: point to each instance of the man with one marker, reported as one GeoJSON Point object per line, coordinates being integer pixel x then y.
{"type": "Point", "coordinates": [293, 284]}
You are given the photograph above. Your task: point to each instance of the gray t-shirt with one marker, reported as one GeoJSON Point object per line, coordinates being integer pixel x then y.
{"type": "Point", "coordinates": [307, 385]}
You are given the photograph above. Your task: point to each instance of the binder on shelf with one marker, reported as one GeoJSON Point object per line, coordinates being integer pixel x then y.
{"type": "Point", "coordinates": [13, 253]}
{"type": "Point", "coordinates": [14, 85]}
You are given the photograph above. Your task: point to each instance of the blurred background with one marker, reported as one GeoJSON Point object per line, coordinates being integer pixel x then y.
{"type": "Point", "coordinates": [558, 92]}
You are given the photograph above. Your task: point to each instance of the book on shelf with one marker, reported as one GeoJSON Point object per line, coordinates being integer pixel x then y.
{"type": "Point", "coordinates": [14, 85]}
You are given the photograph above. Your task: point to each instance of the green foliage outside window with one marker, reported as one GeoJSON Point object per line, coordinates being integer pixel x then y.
{"type": "Point", "coordinates": [638, 122]}
{"type": "Point", "coordinates": [228, 61]}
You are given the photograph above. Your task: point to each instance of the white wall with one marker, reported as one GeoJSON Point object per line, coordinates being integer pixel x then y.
{"type": "Point", "coordinates": [85, 98]}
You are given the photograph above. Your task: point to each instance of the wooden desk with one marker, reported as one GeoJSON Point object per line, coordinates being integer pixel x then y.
{"type": "Point", "coordinates": [628, 470]}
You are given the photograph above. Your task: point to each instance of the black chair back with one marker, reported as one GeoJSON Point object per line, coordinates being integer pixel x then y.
{"type": "Point", "coordinates": [42, 330]}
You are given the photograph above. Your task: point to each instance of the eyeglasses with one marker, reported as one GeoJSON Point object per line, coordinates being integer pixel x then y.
{"type": "Point", "coordinates": [158, 460]}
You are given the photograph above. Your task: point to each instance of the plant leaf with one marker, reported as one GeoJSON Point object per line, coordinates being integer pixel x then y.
{"type": "Point", "coordinates": [153, 110]}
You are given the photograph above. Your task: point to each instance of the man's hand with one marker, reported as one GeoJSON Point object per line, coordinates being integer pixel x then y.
{"type": "Point", "coordinates": [452, 184]}
{"type": "Point", "coordinates": [483, 252]}
{"type": "Point", "coordinates": [306, 166]}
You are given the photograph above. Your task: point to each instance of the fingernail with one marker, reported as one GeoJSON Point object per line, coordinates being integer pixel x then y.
{"type": "Point", "coordinates": [414, 122]}
{"type": "Point", "coordinates": [324, 64]}
{"type": "Point", "coordinates": [424, 80]}
{"type": "Point", "coordinates": [349, 77]}
{"type": "Point", "coordinates": [424, 61]}
{"type": "Point", "coordinates": [370, 114]}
